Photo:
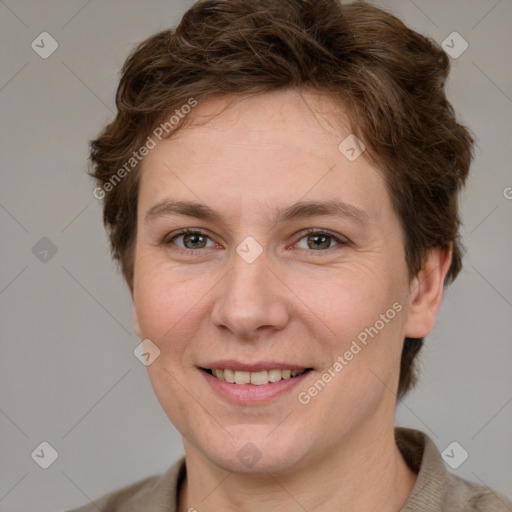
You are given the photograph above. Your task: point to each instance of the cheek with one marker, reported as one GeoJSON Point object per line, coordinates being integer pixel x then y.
{"type": "Point", "coordinates": [353, 295]}
{"type": "Point", "coordinates": [360, 303]}
{"type": "Point", "coordinates": [163, 299]}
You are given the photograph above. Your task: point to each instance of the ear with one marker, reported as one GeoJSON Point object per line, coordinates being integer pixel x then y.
{"type": "Point", "coordinates": [130, 287]}
{"type": "Point", "coordinates": [426, 292]}
{"type": "Point", "coordinates": [136, 324]}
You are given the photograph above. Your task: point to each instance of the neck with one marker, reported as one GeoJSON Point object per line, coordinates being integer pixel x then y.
{"type": "Point", "coordinates": [367, 472]}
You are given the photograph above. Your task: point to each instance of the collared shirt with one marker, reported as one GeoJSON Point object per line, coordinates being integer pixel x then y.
{"type": "Point", "coordinates": [435, 489]}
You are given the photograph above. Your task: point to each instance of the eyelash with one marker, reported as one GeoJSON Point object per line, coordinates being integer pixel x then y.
{"type": "Point", "coordinates": [187, 231]}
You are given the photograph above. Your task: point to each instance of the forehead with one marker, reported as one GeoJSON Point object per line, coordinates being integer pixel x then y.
{"type": "Point", "coordinates": [269, 149]}
{"type": "Point", "coordinates": [268, 119]}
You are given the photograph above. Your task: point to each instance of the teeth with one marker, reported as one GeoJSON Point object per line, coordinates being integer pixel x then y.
{"type": "Point", "coordinates": [256, 378]}
{"type": "Point", "coordinates": [229, 375]}
{"type": "Point", "coordinates": [259, 378]}
{"type": "Point", "coordinates": [242, 377]}
{"type": "Point", "coordinates": [274, 375]}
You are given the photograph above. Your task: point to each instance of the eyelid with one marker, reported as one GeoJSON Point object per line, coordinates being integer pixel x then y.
{"type": "Point", "coordinates": [340, 239]}
{"type": "Point", "coordinates": [320, 231]}
{"type": "Point", "coordinates": [187, 231]}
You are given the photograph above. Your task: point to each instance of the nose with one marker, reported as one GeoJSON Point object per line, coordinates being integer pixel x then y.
{"type": "Point", "coordinates": [252, 300]}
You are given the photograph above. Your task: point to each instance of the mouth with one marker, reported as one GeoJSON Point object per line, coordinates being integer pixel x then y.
{"type": "Point", "coordinates": [256, 378]}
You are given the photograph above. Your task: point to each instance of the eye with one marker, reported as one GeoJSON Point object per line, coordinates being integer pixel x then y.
{"type": "Point", "coordinates": [320, 240]}
{"type": "Point", "coordinates": [191, 240]}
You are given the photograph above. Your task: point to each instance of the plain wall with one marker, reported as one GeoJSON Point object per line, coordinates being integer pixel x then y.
{"type": "Point", "coordinates": [67, 372]}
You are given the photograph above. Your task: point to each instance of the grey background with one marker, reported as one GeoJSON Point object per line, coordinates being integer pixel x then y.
{"type": "Point", "coordinates": [68, 375]}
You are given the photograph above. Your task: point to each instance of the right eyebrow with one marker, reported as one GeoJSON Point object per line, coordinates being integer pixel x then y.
{"type": "Point", "coordinates": [188, 208]}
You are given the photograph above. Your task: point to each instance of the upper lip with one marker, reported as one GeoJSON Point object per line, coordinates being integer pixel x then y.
{"type": "Point", "coordinates": [256, 366]}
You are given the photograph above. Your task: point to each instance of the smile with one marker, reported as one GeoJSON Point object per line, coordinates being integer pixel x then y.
{"type": "Point", "coordinates": [258, 378]}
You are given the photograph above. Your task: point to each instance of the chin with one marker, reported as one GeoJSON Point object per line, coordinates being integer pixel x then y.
{"type": "Point", "coordinates": [251, 452]}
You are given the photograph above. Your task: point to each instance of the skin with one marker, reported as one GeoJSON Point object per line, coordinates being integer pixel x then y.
{"type": "Point", "coordinates": [294, 303]}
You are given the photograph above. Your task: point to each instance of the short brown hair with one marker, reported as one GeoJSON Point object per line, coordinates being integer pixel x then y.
{"type": "Point", "coordinates": [389, 77]}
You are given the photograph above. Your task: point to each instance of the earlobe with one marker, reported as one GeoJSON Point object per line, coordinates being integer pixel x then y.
{"type": "Point", "coordinates": [426, 292]}
{"type": "Point", "coordinates": [136, 324]}
{"type": "Point", "coordinates": [130, 287]}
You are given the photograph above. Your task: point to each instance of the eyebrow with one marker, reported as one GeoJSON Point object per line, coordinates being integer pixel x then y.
{"type": "Point", "coordinates": [302, 209]}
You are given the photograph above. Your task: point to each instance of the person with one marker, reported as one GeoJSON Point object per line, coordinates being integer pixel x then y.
{"type": "Point", "coordinates": [280, 189]}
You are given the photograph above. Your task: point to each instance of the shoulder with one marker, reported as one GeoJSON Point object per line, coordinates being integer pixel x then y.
{"type": "Point", "coordinates": [437, 490]}
{"type": "Point", "coordinates": [121, 499]}
{"type": "Point", "coordinates": [468, 496]}
{"type": "Point", "coordinates": [156, 493]}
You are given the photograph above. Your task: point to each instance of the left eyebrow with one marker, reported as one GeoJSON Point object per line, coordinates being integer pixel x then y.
{"type": "Point", "coordinates": [332, 207]}
{"type": "Point", "coordinates": [300, 210]}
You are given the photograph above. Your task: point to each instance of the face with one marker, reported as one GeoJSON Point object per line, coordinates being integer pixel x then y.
{"type": "Point", "coordinates": [261, 248]}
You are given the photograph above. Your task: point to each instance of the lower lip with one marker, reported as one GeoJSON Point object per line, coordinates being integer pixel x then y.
{"type": "Point", "coordinates": [250, 393]}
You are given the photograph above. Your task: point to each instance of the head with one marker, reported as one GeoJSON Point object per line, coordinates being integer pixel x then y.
{"type": "Point", "coordinates": [246, 109]}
